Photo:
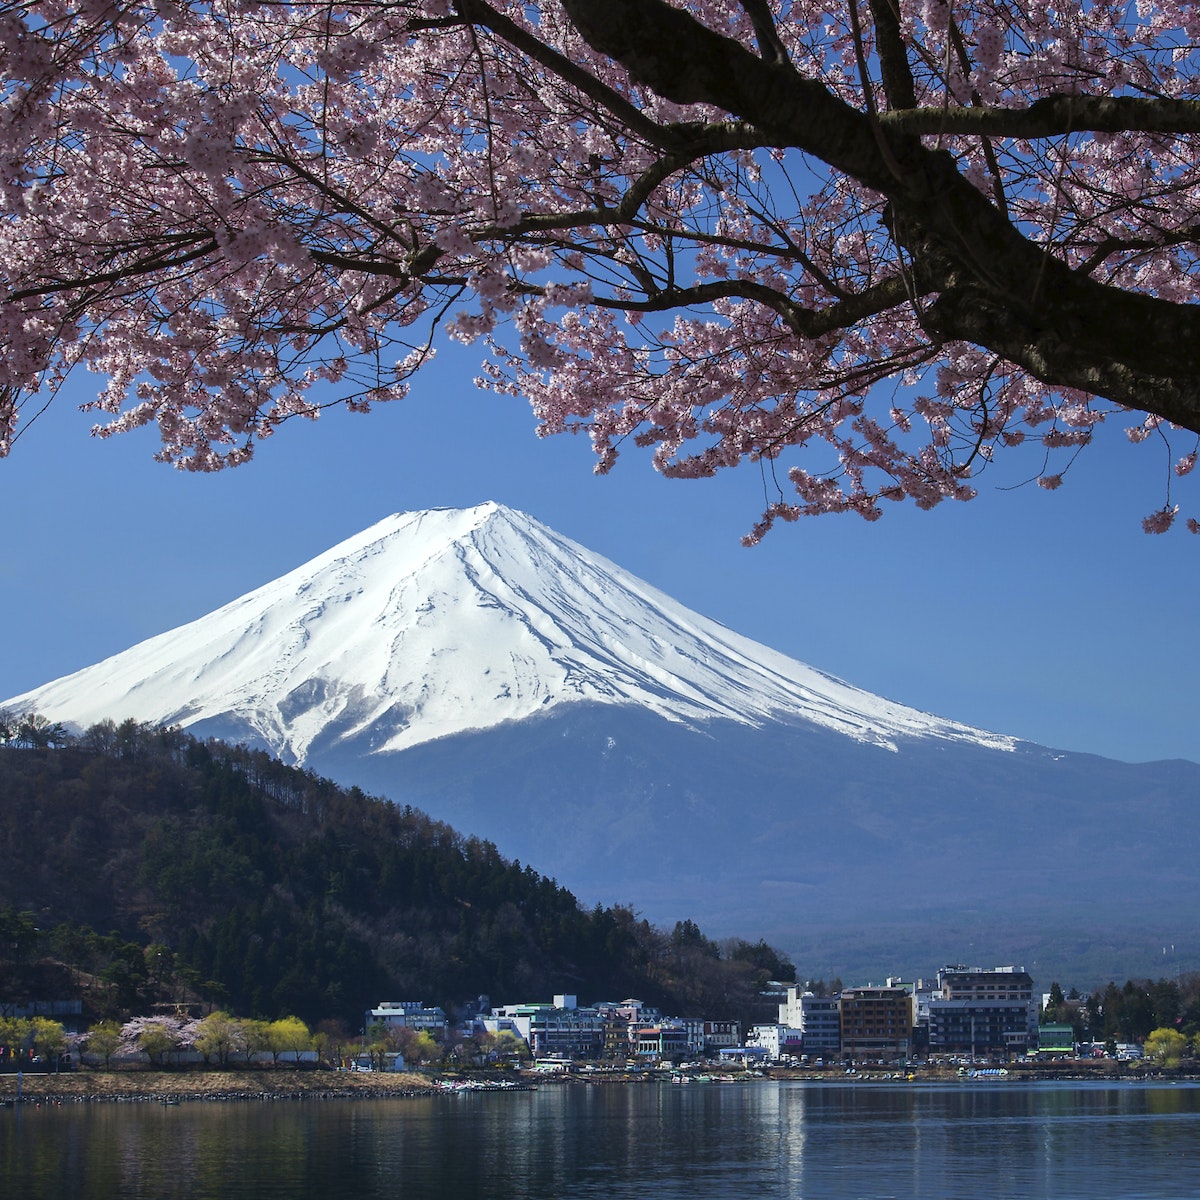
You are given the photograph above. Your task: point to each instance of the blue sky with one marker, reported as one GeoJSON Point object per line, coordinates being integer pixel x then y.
{"type": "Point", "coordinates": [1049, 616]}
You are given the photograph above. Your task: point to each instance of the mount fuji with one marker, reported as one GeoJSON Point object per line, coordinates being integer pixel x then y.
{"type": "Point", "coordinates": [482, 667]}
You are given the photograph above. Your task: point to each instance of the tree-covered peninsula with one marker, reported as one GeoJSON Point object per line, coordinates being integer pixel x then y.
{"type": "Point", "coordinates": [145, 867]}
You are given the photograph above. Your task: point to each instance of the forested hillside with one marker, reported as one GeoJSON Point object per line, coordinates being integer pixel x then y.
{"type": "Point", "coordinates": [143, 866]}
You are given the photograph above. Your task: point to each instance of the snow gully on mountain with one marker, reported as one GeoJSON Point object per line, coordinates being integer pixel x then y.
{"type": "Point", "coordinates": [431, 623]}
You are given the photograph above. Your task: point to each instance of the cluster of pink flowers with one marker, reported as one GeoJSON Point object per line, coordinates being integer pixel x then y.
{"type": "Point", "coordinates": [241, 214]}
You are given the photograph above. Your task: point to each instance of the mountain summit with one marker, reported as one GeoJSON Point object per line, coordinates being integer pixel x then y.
{"type": "Point", "coordinates": [483, 668]}
{"type": "Point", "coordinates": [434, 623]}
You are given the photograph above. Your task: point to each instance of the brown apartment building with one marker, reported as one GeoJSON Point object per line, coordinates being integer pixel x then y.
{"type": "Point", "coordinates": [876, 1022]}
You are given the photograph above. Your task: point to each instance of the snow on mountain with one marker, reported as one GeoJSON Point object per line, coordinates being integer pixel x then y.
{"type": "Point", "coordinates": [435, 623]}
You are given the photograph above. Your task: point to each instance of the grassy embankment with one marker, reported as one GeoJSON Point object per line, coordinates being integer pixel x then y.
{"type": "Point", "coordinates": [169, 1086]}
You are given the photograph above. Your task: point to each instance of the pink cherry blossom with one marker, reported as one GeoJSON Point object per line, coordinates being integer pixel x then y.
{"type": "Point", "coordinates": [878, 250]}
{"type": "Point", "coordinates": [1161, 521]}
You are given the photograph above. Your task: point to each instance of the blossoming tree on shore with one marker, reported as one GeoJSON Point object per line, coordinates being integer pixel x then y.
{"type": "Point", "coordinates": [873, 243]}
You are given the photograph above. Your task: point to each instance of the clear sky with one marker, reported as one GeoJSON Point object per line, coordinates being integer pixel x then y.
{"type": "Point", "coordinates": [1048, 616]}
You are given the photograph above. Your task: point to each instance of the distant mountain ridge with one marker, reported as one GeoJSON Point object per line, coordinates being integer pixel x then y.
{"type": "Point", "coordinates": [504, 679]}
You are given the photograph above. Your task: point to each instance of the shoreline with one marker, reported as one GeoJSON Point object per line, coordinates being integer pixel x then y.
{"type": "Point", "coordinates": [175, 1087]}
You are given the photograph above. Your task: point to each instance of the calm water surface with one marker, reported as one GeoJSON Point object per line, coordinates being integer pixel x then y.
{"type": "Point", "coordinates": [1050, 1141]}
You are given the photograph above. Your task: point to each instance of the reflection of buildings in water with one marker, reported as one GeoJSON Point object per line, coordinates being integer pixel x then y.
{"type": "Point", "coordinates": [793, 1138]}
{"type": "Point", "coordinates": [533, 1140]}
{"type": "Point", "coordinates": [703, 1127]}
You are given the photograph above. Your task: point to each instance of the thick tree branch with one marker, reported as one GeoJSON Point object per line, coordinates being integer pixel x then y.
{"type": "Point", "coordinates": [897, 76]}
{"type": "Point", "coordinates": [765, 33]}
{"type": "Point", "coordinates": [1052, 116]}
{"type": "Point", "coordinates": [974, 317]}
{"type": "Point", "coordinates": [810, 324]}
{"type": "Point", "coordinates": [680, 59]}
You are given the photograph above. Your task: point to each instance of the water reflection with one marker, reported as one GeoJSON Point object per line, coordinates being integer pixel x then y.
{"type": "Point", "coordinates": [794, 1141]}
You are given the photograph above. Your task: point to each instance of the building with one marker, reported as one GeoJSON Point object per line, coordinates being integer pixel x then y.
{"type": "Point", "coordinates": [987, 983]}
{"type": "Point", "coordinates": [695, 1035]}
{"type": "Point", "coordinates": [630, 1011]}
{"type": "Point", "coordinates": [818, 1018]}
{"type": "Point", "coordinates": [821, 1026]}
{"type": "Point", "coordinates": [560, 1029]}
{"type": "Point", "coordinates": [408, 1014]}
{"type": "Point", "coordinates": [721, 1035]}
{"type": "Point", "coordinates": [982, 1012]}
{"type": "Point", "coordinates": [615, 1031]}
{"type": "Point", "coordinates": [777, 1040]}
{"type": "Point", "coordinates": [876, 1022]}
{"type": "Point", "coordinates": [1056, 1040]}
{"type": "Point", "coordinates": [621, 1022]}
{"type": "Point", "coordinates": [668, 1041]}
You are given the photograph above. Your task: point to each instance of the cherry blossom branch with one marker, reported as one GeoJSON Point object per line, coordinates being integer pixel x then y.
{"type": "Point", "coordinates": [706, 227]}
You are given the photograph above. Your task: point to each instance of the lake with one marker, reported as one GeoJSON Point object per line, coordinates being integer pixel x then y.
{"type": "Point", "coordinates": [705, 1141]}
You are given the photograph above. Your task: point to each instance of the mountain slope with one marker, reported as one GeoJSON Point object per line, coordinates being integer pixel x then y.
{"type": "Point", "coordinates": [433, 623]}
{"type": "Point", "coordinates": [857, 860]}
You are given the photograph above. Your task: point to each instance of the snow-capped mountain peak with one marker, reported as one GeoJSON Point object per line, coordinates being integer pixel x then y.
{"type": "Point", "coordinates": [433, 623]}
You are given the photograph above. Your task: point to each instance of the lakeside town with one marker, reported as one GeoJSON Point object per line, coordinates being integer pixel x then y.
{"type": "Point", "coordinates": [981, 1020]}
{"type": "Point", "coordinates": [968, 1014]}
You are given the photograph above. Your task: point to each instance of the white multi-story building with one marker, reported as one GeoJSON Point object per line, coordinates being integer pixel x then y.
{"type": "Point", "coordinates": [776, 1040]}
{"type": "Point", "coordinates": [560, 1029]}
{"type": "Point", "coordinates": [612, 1030]}
{"type": "Point", "coordinates": [818, 1018]}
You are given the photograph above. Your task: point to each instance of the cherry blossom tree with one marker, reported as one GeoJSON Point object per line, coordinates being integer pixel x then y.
{"type": "Point", "coordinates": [867, 244]}
{"type": "Point", "coordinates": [157, 1037]}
